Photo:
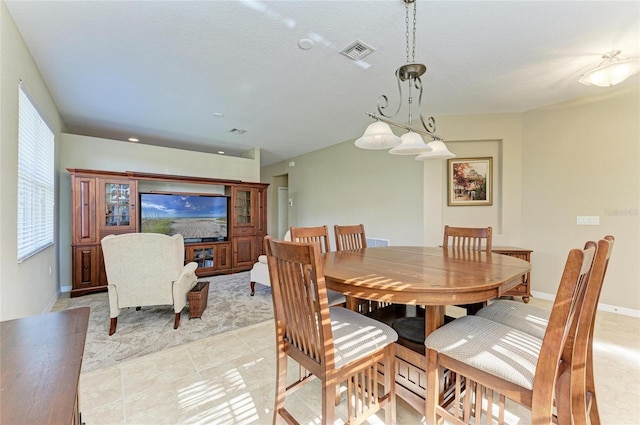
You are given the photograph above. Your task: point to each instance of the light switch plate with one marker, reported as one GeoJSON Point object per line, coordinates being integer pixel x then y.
{"type": "Point", "coordinates": [588, 220]}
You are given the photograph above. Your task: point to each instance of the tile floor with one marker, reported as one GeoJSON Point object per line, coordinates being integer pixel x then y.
{"type": "Point", "coordinates": [230, 379]}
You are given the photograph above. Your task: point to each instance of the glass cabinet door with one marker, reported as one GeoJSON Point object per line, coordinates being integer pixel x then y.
{"type": "Point", "coordinates": [118, 202]}
{"type": "Point", "coordinates": [244, 207]}
{"type": "Point", "coordinates": [204, 257]}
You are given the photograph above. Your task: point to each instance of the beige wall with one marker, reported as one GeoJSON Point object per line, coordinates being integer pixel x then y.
{"type": "Point", "coordinates": [113, 155]}
{"type": "Point", "coordinates": [345, 185]}
{"type": "Point", "coordinates": [28, 288]}
{"type": "Point", "coordinates": [581, 158]}
{"type": "Point", "coordinates": [550, 165]}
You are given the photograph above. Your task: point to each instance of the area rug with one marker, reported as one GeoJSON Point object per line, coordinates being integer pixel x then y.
{"type": "Point", "coordinates": [229, 307]}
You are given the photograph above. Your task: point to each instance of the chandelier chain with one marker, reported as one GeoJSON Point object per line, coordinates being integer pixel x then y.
{"type": "Point", "coordinates": [406, 22]}
{"type": "Point", "coordinates": [414, 32]}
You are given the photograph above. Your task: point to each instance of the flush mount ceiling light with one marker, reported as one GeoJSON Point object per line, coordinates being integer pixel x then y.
{"type": "Point", "coordinates": [613, 70]}
{"type": "Point", "coordinates": [379, 135]}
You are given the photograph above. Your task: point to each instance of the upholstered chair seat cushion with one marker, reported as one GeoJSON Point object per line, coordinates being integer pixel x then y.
{"type": "Point", "coordinates": [525, 317]}
{"type": "Point", "coordinates": [489, 346]}
{"type": "Point", "coordinates": [356, 336]}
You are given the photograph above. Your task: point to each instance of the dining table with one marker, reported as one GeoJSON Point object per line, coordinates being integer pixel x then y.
{"type": "Point", "coordinates": [430, 277]}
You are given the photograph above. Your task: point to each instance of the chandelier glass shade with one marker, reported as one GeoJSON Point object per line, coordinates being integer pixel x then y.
{"type": "Point", "coordinates": [379, 135]}
{"type": "Point", "coordinates": [412, 144]}
{"type": "Point", "coordinates": [613, 70]}
{"type": "Point", "coordinates": [438, 151]}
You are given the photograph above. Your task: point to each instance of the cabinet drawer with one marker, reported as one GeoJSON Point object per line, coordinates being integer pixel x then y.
{"type": "Point", "coordinates": [520, 289]}
{"type": "Point", "coordinates": [244, 231]}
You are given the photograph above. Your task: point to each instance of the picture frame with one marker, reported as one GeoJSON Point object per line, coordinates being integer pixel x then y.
{"type": "Point", "coordinates": [470, 181]}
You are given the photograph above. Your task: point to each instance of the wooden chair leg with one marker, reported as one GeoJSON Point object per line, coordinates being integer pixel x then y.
{"type": "Point", "coordinates": [433, 388]}
{"type": "Point", "coordinates": [112, 325]}
{"type": "Point", "coordinates": [390, 386]}
{"type": "Point", "coordinates": [328, 402]}
{"type": "Point", "coordinates": [176, 322]}
{"type": "Point", "coordinates": [594, 415]}
{"type": "Point", "coordinates": [281, 383]}
{"type": "Point", "coordinates": [253, 288]}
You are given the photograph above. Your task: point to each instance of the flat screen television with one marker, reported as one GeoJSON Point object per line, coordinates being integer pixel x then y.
{"type": "Point", "coordinates": [198, 218]}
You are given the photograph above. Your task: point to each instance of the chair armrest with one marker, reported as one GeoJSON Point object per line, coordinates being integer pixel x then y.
{"type": "Point", "coordinates": [189, 268]}
{"type": "Point", "coordinates": [262, 259]}
{"type": "Point", "coordinates": [185, 282]}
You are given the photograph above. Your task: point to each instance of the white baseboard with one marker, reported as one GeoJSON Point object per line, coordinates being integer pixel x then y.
{"type": "Point", "coordinates": [602, 307]}
{"type": "Point", "coordinates": [64, 289]}
{"type": "Point", "coordinates": [51, 303]}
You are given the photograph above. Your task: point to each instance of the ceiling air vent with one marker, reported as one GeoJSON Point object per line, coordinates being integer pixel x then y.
{"type": "Point", "coordinates": [357, 50]}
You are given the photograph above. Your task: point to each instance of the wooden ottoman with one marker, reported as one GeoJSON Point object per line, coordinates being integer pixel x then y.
{"type": "Point", "coordinates": [197, 298]}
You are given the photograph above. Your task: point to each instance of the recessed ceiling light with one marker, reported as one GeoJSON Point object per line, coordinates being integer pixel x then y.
{"type": "Point", "coordinates": [133, 139]}
{"type": "Point", "coordinates": [305, 43]}
{"type": "Point", "coordinates": [221, 152]}
{"type": "Point", "coordinates": [218, 115]}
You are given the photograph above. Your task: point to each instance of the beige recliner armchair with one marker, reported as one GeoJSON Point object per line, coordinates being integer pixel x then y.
{"type": "Point", "coordinates": [146, 269]}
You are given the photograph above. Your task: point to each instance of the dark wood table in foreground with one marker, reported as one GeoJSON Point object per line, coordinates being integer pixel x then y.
{"type": "Point", "coordinates": [425, 276]}
{"type": "Point", "coordinates": [41, 361]}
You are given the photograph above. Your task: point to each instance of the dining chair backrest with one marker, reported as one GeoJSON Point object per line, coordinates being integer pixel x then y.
{"type": "Point", "coordinates": [317, 234]}
{"type": "Point", "coordinates": [299, 294]}
{"type": "Point", "coordinates": [555, 358]}
{"type": "Point", "coordinates": [475, 238]}
{"type": "Point", "coordinates": [583, 402]}
{"type": "Point", "coordinates": [350, 237]}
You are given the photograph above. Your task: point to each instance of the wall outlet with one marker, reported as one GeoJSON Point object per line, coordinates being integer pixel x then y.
{"type": "Point", "coordinates": [588, 220]}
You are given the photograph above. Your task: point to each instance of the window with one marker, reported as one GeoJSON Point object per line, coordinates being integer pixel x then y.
{"type": "Point", "coordinates": [35, 179]}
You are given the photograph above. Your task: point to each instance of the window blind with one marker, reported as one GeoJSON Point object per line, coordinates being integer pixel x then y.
{"type": "Point", "coordinates": [35, 179]}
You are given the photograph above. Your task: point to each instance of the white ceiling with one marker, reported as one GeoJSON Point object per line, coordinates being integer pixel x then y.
{"type": "Point", "coordinates": [159, 70]}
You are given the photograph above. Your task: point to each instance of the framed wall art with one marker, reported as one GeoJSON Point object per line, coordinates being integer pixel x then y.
{"type": "Point", "coordinates": [470, 181]}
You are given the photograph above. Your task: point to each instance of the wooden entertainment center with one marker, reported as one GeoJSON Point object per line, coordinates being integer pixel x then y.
{"type": "Point", "coordinates": [105, 203]}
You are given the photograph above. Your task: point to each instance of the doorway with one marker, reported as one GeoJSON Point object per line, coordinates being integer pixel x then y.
{"type": "Point", "coordinates": [283, 211]}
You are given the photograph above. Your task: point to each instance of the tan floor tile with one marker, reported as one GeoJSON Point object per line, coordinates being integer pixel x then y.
{"type": "Point", "coordinates": [100, 387]}
{"type": "Point", "coordinates": [104, 414]}
{"type": "Point", "coordinates": [259, 337]}
{"type": "Point", "coordinates": [161, 368]}
{"type": "Point", "coordinates": [216, 350]}
{"type": "Point", "coordinates": [166, 404]}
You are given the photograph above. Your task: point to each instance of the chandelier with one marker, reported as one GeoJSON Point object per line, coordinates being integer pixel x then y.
{"type": "Point", "coordinates": [612, 70]}
{"type": "Point", "coordinates": [378, 135]}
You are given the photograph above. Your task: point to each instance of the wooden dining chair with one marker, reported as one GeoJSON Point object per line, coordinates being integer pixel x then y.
{"type": "Point", "coordinates": [319, 235]}
{"type": "Point", "coordinates": [350, 237]}
{"type": "Point", "coordinates": [534, 320]}
{"type": "Point", "coordinates": [475, 238]}
{"type": "Point", "coordinates": [487, 357]}
{"type": "Point", "coordinates": [332, 343]}
{"type": "Point", "coordinates": [467, 241]}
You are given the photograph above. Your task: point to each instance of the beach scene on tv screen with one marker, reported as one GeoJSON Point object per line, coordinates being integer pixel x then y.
{"type": "Point", "coordinates": [193, 217]}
